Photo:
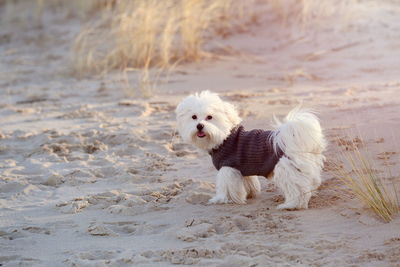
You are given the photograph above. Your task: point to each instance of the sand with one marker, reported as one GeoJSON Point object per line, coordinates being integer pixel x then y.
{"type": "Point", "coordinates": [91, 174]}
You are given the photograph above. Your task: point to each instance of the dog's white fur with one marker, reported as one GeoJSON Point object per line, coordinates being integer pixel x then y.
{"type": "Point", "coordinates": [297, 173]}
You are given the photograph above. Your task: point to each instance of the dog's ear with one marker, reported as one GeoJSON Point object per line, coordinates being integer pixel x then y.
{"type": "Point", "coordinates": [179, 109]}
{"type": "Point", "coordinates": [231, 113]}
{"type": "Point", "coordinates": [183, 107]}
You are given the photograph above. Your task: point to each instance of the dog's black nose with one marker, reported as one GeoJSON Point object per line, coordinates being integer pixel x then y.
{"type": "Point", "coordinates": [200, 126]}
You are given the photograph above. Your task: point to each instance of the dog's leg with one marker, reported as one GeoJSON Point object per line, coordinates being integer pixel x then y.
{"type": "Point", "coordinates": [295, 185]}
{"type": "Point", "coordinates": [229, 187]}
{"type": "Point", "coordinates": [252, 186]}
{"type": "Point", "coordinates": [318, 164]}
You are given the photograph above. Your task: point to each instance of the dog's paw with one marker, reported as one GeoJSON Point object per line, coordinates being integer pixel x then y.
{"type": "Point", "coordinates": [219, 200]}
{"type": "Point", "coordinates": [284, 207]}
{"type": "Point", "coordinates": [290, 206]}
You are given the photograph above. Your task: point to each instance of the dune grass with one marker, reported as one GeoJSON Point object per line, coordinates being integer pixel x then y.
{"type": "Point", "coordinates": [367, 184]}
{"type": "Point", "coordinates": [150, 33]}
{"type": "Point", "coordinates": [146, 35]}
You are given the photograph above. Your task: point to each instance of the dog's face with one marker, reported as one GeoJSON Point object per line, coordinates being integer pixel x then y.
{"type": "Point", "coordinates": [205, 120]}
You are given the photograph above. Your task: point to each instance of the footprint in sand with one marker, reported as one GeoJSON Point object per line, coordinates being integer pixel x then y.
{"type": "Point", "coordinates": [194, 232]}
{"type": "Point", "coordinates": [134, 227]}
{"type": "Point", "coordinates": [230, 225]}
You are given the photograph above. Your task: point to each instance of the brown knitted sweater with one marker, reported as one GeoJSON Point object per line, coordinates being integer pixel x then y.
{"type": "Point", "coordinates": [250, 152]}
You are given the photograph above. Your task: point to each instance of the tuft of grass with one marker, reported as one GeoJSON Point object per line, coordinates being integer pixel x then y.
{"type": "Point", "coordinates": [141, 35]}
{"type": "Point", "coordinates": [150, 33]}
{"type": "Point", "coordinates": [144, 34]}
{"type": "Point", "coordinates": [367, 185]}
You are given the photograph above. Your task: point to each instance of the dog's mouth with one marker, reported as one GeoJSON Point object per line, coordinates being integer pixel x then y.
{"type": "Point", "coordinates": [201, 134]}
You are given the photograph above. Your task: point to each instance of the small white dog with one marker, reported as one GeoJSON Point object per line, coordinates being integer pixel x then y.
{"type": "Point", "coordinates": [292, 152]}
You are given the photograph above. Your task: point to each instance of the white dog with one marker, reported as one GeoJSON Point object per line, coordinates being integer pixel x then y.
{"type": "Point", "coordinates": [292, 152]}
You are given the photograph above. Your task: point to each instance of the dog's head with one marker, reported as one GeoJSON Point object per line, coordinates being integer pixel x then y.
{"type": "Point", "coordinates": [205, 120]}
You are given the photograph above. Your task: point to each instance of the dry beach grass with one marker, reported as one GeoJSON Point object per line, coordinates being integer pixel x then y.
{"type": "Point", "coordinates": [373, 189]}
{"type": "Point", "coordinates": [134, 36]}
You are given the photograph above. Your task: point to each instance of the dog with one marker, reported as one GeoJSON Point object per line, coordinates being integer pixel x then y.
{"type": "Point", "coordinates": [292, 152]}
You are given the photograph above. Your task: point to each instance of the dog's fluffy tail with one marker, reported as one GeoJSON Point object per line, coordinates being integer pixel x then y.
{"type": "Point", "coordinates": [300, 138]}
{"type": "Point", "coordinates": [298, 172]}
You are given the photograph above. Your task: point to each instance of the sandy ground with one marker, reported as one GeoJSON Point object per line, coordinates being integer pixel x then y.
{"type": "Point", "coordinates": [91, 175]}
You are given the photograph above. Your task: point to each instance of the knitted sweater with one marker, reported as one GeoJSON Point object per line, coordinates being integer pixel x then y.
{"type": "Point", "coordinates": [250, 152]}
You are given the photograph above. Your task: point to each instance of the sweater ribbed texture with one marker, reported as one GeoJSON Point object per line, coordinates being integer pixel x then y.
{"type": "Point", "coordinates": [250, 152]}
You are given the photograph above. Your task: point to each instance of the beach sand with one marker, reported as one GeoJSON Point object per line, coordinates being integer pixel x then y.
{"type": "Point", "coordinates": [91, 174]}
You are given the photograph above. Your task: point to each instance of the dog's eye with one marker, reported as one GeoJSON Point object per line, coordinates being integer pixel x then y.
{"type": "Point", "coordinates": [209, 117]}
{"type": "Point", "coordinates": [194, 117]}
